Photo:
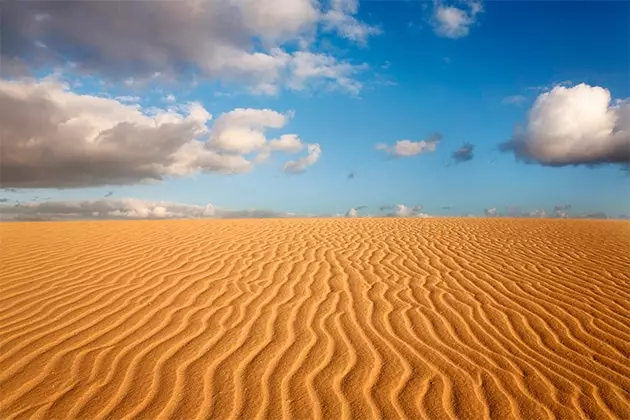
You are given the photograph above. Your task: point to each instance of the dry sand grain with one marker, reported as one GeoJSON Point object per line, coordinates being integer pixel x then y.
{"type": "Point", "coordinates": [334, 318]}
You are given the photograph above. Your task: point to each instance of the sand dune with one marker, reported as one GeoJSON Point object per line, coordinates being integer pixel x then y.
{"type": "Point", "coordinates": [335, 318]}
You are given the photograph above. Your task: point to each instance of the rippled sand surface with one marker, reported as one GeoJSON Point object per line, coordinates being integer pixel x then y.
{"type": "Point", "coordinates": [331, 318]}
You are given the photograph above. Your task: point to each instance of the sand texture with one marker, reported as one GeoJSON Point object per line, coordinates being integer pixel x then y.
{"type": "Point", "coordinates": [305, 318]}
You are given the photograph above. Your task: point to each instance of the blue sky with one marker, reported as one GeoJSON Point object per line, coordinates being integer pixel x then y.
{"type": "Point", "coordinates": [471, 86]}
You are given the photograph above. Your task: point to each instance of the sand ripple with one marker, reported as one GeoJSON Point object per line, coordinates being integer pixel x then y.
{"type": "Point", "coordinates": [335, 318]}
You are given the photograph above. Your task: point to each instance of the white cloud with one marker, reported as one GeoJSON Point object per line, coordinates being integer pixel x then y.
{"type": "Point", "coordinates": [300, 165]}
{"type": "Point", "coordinates": [452, 22]}
{"type": "Point", "coordinates": [239, 41]}
{"type": "Point", "coordinates": [411, 148]}
{"type": "Point", "coordinates": [53, 137]}
{"type": "Point", "coordinates": [490, 212]}
{"type": "Point", "coordinates": [289, 143]}
{"type": "Point", "coordinates": [352, 213]}
{"type": "Point", "coordinates": [572, 126]}
{"type": "Point", "coordinates": [324, 70]}
{"type": "Point", "coordinates": [341, 20]}
{"type": "Point", "coordinates": [241, 131]}
{"type": "Point", "coordinates": [538, 213]}
{"type": "Point", "coordinates": [124, 208]}
{"type": "Point", "coordinates": [400, 210]}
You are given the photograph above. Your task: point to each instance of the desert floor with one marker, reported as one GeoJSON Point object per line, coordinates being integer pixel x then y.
{"type": "Point", "coordinates": [305, 318]}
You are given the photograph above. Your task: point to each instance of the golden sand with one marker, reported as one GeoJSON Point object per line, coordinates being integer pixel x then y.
{"type": "Point", "coordinates": [333, 318]}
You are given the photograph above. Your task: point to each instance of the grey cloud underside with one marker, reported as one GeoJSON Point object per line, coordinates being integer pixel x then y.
{"type": "Point", "coordinates": [124, 154]}
{"type": "Point", "coordinates": [55, 138]}
{"type": "Point", "coordinates": [578, 125]}
{"type": "Point", "coordinates": [125, 208]}
{"type": "Point", "coordinates": [464, 153]}
{"type": "Point", "coordinates": [181, 39]}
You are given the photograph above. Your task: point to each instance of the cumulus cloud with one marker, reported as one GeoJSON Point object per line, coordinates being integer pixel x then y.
{"type": "Point", "coordinates": [574, 126]}
{"type": "Point", "coordinates": [541, 213]}
{"type": "Point", "coordinates": [400, 210]}
{"type": "Point", "coordinates": [228, 40]}
{"type": "Point", "coordinates": [289, 143]}
{"type": "Point", "coordinates": [405, 148]}
{"type": "Point", "coordinates": [242, 131]}
{"type": "Point", "coordinates": [314, 151]}
{"type": "Point", "coordinates": [124, 208]}
{"type": "Point", "coordinates": [490, 212]}
{"type": "Point", "coordinates": [463, 154]}
{"type": "Point", "coordinates": [53, 137]}
{"type": "Point", "coordinates": [354, 212]}
{"type": "Point", "coordinates": [453, 22]}
{"type": "Point", "coordinates": [562, 210]}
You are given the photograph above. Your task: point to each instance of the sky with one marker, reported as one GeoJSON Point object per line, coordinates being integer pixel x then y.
{"type": "Point", "coordinates": [279, 108]}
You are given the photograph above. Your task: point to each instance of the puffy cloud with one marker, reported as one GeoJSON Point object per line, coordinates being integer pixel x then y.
{"type": "Point", "coordinates": [561, 211]}
{"type": "Point", "coordinates": [574, 126]}
{"type": "Point", "coordinates": [314, 151]}
{"type": "Point", "coordinates": [228, 40]}
{"type": "Point", "coordinates": [452, 22]}
{"type": "Point", "coordinates": [241, 131]}
{"type": "Point", "coordinates": [411, 148]}
{"type": "Point", "coordinates": [53, 137]}
{"type": "Point", "coordinates": [464, 153]}
{"type": "Point", "coordinates": [124, 208]}
{"type": "Point", "coordinates": [289, 143]}
{"type": "Point", "coordinates": [423, 215]}
{"type": "Point", "coordinates": [490, 212]}
{"type": "Point", "coordinates": [541, 213]}
{"type": "Point", "coordinates": [352, 213]}
{"type": "Point", "coordinates": [400, 210]}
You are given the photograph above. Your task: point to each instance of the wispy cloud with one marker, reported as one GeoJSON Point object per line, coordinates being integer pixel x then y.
{"type": "Point", "coordinates": [517, 100]}
{"type": "Point", "coordinates": [453, 22]}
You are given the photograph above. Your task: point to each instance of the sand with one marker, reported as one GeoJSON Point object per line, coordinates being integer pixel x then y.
{"type": "Point", "coordinates": [332, 318]}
